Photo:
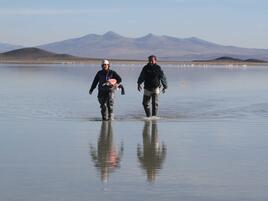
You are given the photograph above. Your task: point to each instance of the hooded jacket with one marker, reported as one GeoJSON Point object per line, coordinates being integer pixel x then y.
{"type": "Point", "coordinates": [152, 76]}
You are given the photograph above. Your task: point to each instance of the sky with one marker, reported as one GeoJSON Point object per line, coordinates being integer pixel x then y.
{"type": "Point", "coordinates": [240, 23]}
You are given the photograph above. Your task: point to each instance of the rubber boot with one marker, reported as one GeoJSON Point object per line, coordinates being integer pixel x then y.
{"type": "Point", "coordinates": [104, 115]}
{"type": "Point", "coordinates": [111, 116]}
{"type": "Point", "coordinates": [147, 111]}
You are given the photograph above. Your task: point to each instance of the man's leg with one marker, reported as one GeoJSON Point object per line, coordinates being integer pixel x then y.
{"type": "Point", "coordinates": [110, 105]}
{"type": "Point", "coordinates": [146, 104]}
{"type": "Point", "coordinates": [155, 99]}
{"type": "Point", "coordinates": [103, 106]}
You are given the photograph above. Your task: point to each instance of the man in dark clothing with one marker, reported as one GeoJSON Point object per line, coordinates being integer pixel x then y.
{"type": "Point", "coordinates": [107, 80]}
{"type": "Point", "coordinates": [152, 76]}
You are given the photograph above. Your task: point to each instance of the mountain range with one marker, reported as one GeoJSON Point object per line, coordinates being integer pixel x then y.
{"type": "Point", "coordinates": [114, 46]}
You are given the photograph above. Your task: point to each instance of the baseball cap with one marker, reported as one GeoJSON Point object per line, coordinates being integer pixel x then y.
{"type": "Point", "coordinates": [105, 62]}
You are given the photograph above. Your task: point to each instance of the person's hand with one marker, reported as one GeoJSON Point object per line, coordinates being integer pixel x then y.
{"type": "Point", "coordinates": [90, 92]}
{"type": "Point", "coordinates": [163, 90]}
{"type": "Point", "coordinates": [139, 87]}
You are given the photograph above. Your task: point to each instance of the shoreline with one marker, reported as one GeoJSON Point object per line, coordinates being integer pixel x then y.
{"type": "Point", "coordinates": [116, 61]}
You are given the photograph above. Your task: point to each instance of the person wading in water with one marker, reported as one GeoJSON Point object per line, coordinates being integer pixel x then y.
{"type": "Point", "coordinates": [108, 80]}
{"type": "Point", "coordinates": [152, 76]}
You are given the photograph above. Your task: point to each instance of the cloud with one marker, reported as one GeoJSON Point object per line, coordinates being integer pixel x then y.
{"type": "Point", "coordinates": [14, 12]}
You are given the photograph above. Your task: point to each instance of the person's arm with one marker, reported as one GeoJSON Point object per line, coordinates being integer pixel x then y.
{"type": "Point", "coordinates": [94, 83]}
{"type": "Point", "coordinates": [141, 79]}
{"type": "Point", "coordinates": [117, 77]}
{"type": "Point", "coordinates": [163, 80]}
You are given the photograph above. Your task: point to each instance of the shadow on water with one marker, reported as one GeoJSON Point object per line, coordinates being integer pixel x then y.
{"type": "Point", "coordinates": [106, 156]}
{"type": "Point", "coordinates": [151, 155]}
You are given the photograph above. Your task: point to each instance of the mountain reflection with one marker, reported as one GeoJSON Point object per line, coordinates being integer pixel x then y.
{"type": "Point", "coordinates": [152, 154]}
{"type": "Point", "coordinates": [107, 155]}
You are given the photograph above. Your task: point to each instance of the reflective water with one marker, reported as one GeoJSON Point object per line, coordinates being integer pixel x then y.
{"type": "Point", "coordinates": [209, 143]}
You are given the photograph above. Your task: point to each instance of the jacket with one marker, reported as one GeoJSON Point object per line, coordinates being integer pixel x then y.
{"type": "Point", "coordinates": [152, 76]}
{"type": "Point", "coordinates": [101, 77]}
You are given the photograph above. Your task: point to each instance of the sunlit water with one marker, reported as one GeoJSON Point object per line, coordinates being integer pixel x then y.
{"type": "Point", "coordinates": [208, 144]}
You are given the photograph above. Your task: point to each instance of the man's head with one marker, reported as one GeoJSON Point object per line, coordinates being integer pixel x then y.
{"type": "Point", "coordinates": [105, 64]}
{"type": "Point", "coordinates": [152, 59]}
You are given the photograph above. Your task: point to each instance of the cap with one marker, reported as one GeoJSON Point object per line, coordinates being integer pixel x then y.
{"type": "Point", "coordinates": [105, 62]}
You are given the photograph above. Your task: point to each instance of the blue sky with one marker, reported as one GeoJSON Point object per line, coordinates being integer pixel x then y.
{"type": "Point", "coordinates": [228, 22]}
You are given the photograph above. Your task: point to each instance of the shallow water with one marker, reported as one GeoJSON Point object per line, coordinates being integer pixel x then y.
{"type": "Point", "coordinates": [209, 143]}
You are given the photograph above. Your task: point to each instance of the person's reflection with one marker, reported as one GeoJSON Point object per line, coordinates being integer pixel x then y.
{"type": "Point", "coordinates": [152, 155]}
{"type": "Point", "coordinates": [106, 156]}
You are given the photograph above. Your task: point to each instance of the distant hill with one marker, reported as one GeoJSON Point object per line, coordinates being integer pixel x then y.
{"type": "Point", "coordinates": [255, 60]}
{"type": "Point", "coordinates": [231, 59]}
{"type": "Point", "coordinates": [227, 59]}
{"type": "Point", "coordinates": [4, 47]}
{"type": "Point", "coordinates": [35, 54]}
{"type": "Point", "coordinates": [113, 45]}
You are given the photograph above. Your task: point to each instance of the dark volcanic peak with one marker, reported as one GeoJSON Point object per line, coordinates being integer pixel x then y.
{"type": "Point", "coordinates": [149, 36]}
{"type": "Point", "coordinates": [255, 60]}
{"type": "Point", "coordinates": [231, 59]}
{"type": "Point", "coordinates": [33, 53]}
{"type": "Point", "coordinates": [30, 51]}
{"type": "Point", "coordinates": [227, 59]}
{"type": "Point", "coordinates": [111, 35]}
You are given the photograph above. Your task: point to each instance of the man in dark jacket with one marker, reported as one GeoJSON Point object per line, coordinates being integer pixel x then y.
{"type": "Point", "coordinates": [107, 80]}
{"type": "Point", "coordinates": [152, 76]}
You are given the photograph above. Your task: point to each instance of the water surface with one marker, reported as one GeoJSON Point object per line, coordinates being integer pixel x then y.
{"type": "Point", "coordinates": [209, 143]}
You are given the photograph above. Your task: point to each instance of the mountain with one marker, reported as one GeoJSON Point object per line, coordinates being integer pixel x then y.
{"type": "Point", "coordinates": [35, 54]}
{"type": "Point", "coordinates": [4, 47]}
{"type": "Point", "coordinates": [113, 45]}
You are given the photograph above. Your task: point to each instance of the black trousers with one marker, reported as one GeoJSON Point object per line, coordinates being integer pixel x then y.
{"type": "Point", "coordinates": [106, 101]}
{"type": "Point", "coordinates": [153, 98]}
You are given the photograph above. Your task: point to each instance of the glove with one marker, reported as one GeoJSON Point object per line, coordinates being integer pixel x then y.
{"type": "Point", "coordinates": [164, 90]}
{"type": "Point", "coordinates": [120, 86]}
{"type": "Point", "coordinates": [90, 92]}
{"type": "Point", "coordinates": [139, 87]}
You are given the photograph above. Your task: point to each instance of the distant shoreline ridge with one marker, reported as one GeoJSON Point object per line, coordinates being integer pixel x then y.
{"type": "Point", "coordinates": [37, 55]}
